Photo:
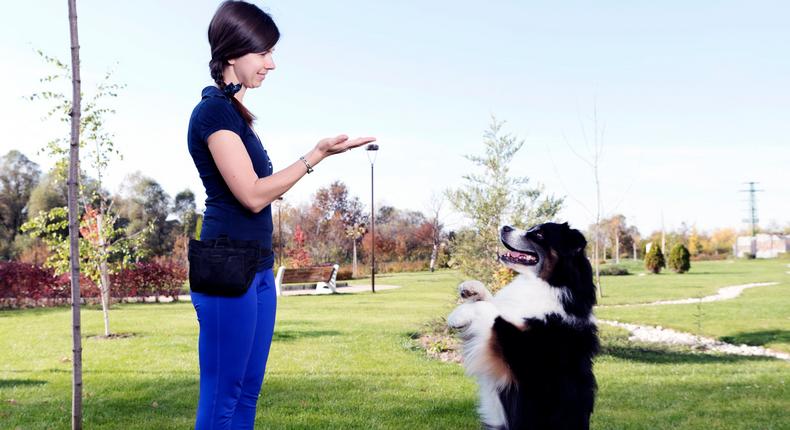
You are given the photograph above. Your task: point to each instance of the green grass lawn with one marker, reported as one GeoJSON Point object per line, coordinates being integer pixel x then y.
{"type": "Point", "coordinates": [347, 362]}
{"type": "Point", "coordinates": [759, 317]}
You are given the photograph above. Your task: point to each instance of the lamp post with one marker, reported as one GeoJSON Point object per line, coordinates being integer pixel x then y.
{"type": "Point", "coordinates": [280, 230]}
{"type": "Point", "coordinates": [372, 150]}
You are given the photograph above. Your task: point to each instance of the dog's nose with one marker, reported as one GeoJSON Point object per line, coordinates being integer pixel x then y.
{"type": "Point", "coordinates": [507, 229]}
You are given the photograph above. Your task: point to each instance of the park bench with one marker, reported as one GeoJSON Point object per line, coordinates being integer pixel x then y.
{"type": "Point", "coordinates": [325, 277]}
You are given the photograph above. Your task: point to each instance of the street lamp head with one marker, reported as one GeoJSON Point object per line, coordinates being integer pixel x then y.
{"type": "Point", "coordinates": [372, 148]}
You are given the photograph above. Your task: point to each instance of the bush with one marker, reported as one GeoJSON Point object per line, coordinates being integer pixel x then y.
{"type": "Point", "coordinates": [654, 260]}
{"type": "Point", "coordinates": [150, 278]}
{"type": "Point", "coordinates": [24, 284]}
{"type": "Point", "coordinates": [613, 270]}
{"type": "Point", "coordinates": [344, 274]}
{"type": "Point", "coordinates": [680, 259]}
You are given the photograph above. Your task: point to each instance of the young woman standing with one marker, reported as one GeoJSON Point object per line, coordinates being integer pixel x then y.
{"type": "Point", "coordinates": [236, 332]}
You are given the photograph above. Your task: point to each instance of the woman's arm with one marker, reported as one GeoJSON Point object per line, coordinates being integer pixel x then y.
{"type": "Point", "coordinates": [256, 193]}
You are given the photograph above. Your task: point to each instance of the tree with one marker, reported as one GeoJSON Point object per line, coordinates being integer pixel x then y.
{"type": "Point", "coordinates": [494, 197]}
{"type": "Point", "coordinates": [435, 228]}
{"type": "Point", "coordinates": [355, 232]}
{"type": "Point", "coordinates": [654, 260]}
{"type": "Point", "coordinates": [184, 208]}
{"type": "Point", "coordinates": [615, 232]}
{"type": "Point", "coordinates": [326, 220]}
{"type": "Point", "coordinates": [90, 128]}
{"type": "Point", "coordinates": [143, 207]}
{"type": "Point", "coordinates": [695, 243]}
{"type": "Point", "coordinates": [51, 192]}
{"type": "Point", "coordinates": [594, 162]}
{"type": "Point", "coordinates": [74, 171]}
{"type": "Point", "coordinates": [103, 248]}
{"type": "Point", "coordinates": [334, 200]}
{"type": "Point", "coordinates": [680, 259]}
{"type": "Point", "coordinates": [722, 240]}
{"type": "Point", "coordinates": [18, 177]}
{"type": "Point", "coordinates": [298, 255]}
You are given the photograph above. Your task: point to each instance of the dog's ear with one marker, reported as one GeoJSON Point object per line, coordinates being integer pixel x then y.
{"type": "Point", "coordinates": [574, 241]}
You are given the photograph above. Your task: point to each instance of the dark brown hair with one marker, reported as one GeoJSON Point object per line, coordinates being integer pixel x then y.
{"type": "Point", "coordinates": [238, 28]}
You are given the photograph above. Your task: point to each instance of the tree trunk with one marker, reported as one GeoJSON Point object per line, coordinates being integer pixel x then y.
{"type": "Point", "coordinates": [354, 262]}
{"type": "Point", "coordinates": [74, 260]}
{"type": "Point", "coordinates": [103, 272]}
{"type": "Point", "coordinates": [617, 249]}
{"type": "Point", "coordinates": [434, 254]}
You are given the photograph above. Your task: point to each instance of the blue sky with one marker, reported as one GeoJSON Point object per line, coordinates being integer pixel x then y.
{"type": "Point", "coordinates": [694, 98]}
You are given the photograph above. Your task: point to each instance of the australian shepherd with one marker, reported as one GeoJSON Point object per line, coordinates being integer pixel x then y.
{"type": "Point", "coordinates": [531, 346]}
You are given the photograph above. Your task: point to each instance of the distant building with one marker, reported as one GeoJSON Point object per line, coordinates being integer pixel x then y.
{"type": "Point", "coordinates": [762, 245]}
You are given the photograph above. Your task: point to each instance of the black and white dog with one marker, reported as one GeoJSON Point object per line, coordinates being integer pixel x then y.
{"type": "Point", "coordinates": [531, 346]}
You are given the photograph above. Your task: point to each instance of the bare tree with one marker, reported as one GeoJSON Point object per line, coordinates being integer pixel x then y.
{"type": "Point", "coordinates": [434, 211]}
{"type": "Point", "coordinates": [74, 222]}
{"type": "Point", "coordinates": [595, 150]}
{"type": "Point", "coordinates": [91, 193]}
{"type": "Point", "coordinates": [355, 232]}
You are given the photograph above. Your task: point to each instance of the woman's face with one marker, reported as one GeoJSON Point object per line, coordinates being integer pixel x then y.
{"type": "Point", "coordinates": [251, 69]}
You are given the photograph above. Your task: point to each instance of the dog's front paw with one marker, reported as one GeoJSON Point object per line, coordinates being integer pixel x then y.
{"type": "Point", "coordinates": [460, 317]}
{"type": "Point", "coordinates": [473, 291]}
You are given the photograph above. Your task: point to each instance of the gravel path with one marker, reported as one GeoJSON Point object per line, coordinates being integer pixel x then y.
{"type": "Point", "coordinates": [641, 333]}
{"type": "Point", "coordinates": [653, 334]}
{"type": "Point", "coordinates": [341, 290]}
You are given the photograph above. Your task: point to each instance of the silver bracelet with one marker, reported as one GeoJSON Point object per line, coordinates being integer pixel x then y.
{"type": "Point", "coordinates": [309, 167]}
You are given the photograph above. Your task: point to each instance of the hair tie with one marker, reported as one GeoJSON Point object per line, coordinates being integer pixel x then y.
{"type": "Point", "coordinates": [231, 89]}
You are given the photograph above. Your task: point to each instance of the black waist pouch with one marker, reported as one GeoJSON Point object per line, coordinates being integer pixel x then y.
{"type": "Point", "coordinates": [224, 267]}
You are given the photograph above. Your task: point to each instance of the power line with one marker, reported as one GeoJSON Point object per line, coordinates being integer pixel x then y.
{"type": "Point", "coordinates": [753, 220]}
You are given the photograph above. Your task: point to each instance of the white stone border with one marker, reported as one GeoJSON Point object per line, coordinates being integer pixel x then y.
{"type": "Point", "coordinates": [658, 334]}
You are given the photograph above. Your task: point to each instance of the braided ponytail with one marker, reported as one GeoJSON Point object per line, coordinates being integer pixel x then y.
{"type": "Point", "coordinates": [216, 67]}
{"type": "Point", "coordinates": [238, 28]}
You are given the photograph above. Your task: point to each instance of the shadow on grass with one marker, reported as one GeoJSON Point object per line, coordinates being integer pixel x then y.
{"type": "Point", "coordinates": [305, 402]}
{"type": "Point", "coordinates": [11, 383]}
{"type": "Point", "coordinates": [658, 355]}
{"type": "Point", "coordinates": [292, 335]}
{"type": "Point", "coordinates": [15, 312]}
{"type": "Point", "coordinates": [758, 338]}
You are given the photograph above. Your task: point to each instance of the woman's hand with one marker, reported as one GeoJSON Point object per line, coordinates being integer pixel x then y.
{"type": "Point", "coordinates": [341, 143]}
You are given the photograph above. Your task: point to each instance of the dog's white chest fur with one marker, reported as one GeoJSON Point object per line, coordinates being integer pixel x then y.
{"type": "Point", "coordinates": [526, 297]}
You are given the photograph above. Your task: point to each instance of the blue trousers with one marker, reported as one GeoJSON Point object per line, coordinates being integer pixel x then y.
{"type": "Point", "coordinates": [233, 346]}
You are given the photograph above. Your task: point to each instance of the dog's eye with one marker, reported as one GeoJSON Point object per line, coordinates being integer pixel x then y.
{"type": "Point", "coordinates": [539, 235]}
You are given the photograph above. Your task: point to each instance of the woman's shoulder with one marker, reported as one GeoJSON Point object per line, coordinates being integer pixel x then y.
{"type": "Point", "coordinates": [213, 101]}
{"type": "Point", "coordinates": [215, 112]}
{"type": "Point", "coordinates": [215, 106]}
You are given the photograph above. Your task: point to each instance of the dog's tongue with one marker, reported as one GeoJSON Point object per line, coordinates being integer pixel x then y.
{"type": "Point", "coordinates": [524, 257]}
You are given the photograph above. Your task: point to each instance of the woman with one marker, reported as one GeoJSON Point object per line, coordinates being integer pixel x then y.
{"type": "Point", "coordinates": [236, 332]}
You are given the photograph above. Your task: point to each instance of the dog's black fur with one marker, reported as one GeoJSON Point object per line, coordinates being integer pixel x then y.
{"type": "Point", "coordinates": [552, 360]}
{"type": "Point", "coordinates": [538, 333]}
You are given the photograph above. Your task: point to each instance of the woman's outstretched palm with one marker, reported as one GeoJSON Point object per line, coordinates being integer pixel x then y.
{"type": "Point", "coordinates": [341, 143]}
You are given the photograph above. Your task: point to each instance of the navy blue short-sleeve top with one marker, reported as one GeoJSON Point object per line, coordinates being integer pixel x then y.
{"type": "Point", "coordinates": [224, 214]}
